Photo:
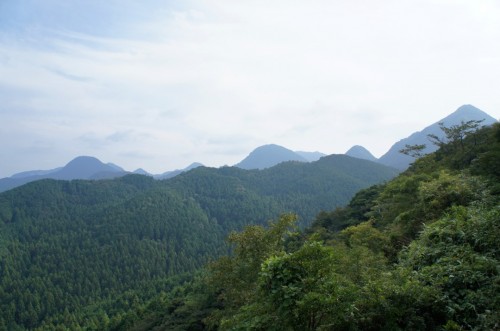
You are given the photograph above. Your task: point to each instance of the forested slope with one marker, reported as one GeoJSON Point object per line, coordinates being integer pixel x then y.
{"type": "Point", "coordinates": [421, 253]}
{"type": "Point", "coordinates": [255, 196]}
{"type": "Point", "coordinates": [82, 252]}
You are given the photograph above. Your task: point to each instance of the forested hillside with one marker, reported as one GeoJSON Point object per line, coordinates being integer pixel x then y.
{"type": "Point", "coordinates": [255, 196]}
{"type": "Point", "coordinates": [84, 252]}
{"type": "Point", "coordinates": [421, 253]}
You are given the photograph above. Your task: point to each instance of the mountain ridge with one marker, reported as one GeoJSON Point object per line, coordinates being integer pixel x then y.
{"type": "Point", "coordinates": [394, 158]}
{"type": "Point", "coordinates": [260, 158]}
{"type": "Point", "coordinates": [81, 167]}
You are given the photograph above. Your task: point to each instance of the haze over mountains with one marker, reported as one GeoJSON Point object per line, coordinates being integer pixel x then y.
{"type": "Point", "coordinates": [266, 156]}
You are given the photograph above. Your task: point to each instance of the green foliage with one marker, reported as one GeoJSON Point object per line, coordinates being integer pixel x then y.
{"type": "Point", "coordinates": [455, 135]}
{"type": "Point", "coordinates": [487, 163]}
{"type": "Point", "coordinates": [365, 235]}
{"type": "Point", "coordinates": [235, 278]}
{"type": "Point", "coordinates": [358, 210]}
{"type": "Point", "coordinates": [327, 288]}
{"type": "Point", "coordinates": [303, 291]}
{"type": "Point", "coordinates": [460, 255]}
{"type": "Point", "coordinates": [362, 277]}
{"type": "Point", "coordinates": [462, 144]}
{"type": "Point", "coordinates": [231, 194]}
{"type": "Point", "coordinates": [420, 252]}
{"type": "Point", "coordinates": [68, 245]}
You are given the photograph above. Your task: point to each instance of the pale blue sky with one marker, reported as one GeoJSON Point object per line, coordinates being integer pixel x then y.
{"type": "Point", "coordinates": [162, 84]}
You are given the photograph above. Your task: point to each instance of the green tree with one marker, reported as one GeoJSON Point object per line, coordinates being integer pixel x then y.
{"type": "Point", "coordinates": [415, 151]}
{"type": "Point", "coordinates": [459, 255]}
{"type": "Point", "coordinates": [235, 277]}
{"type": "Point", "coordinates": [455, 135]}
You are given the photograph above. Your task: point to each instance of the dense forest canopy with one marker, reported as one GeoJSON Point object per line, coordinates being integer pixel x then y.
{"type": "Point", "coordinates": [420, 252]}
{"type": "Point", "coordinates": [98, 248]}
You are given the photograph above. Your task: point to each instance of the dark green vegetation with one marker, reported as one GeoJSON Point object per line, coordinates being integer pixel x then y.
{"type": "Point", "coordinates": [92, 254]}
{"type": "Point", "coordinates": [418, 253]}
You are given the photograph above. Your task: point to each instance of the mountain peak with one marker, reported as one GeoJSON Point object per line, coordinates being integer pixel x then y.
{"type": "Point", "coordinates": [463, 114]}
{"type": "Point", "coordinates": [141, 171]}
{"type": "Point", "coordinates": [267, 156]}
{"type": "Point", "coordinates": [84, 167]}
{"type": "Point", "coordinates": [361, 153]}
{"type": "Point", "coordinates": [468, 108]}
{"type": "Point", "coordinates": [84, 160]}
{"type": "Point", "coordinates": [81, 167]}
{"type": "Point", "coordinates": [467, 113]}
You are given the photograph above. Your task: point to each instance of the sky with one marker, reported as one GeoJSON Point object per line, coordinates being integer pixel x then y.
{"type": "Point", "coordinates": [159, 84]}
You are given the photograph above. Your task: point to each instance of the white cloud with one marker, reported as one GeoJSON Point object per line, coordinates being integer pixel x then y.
{"type": "Point", "coordinates": [175, 82]}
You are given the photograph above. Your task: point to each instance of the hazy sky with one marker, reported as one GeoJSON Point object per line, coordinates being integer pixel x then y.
{"type": "Point", "coordinates": [162, 84]}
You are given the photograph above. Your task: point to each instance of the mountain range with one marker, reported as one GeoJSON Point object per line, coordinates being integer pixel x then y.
{"type": "Point", "coordinates": [82, 167]}
{"type": "Point", "coordinates": [266, 156]}
{"type": "Point", "coordinates": [269, 155]}
{"type": "Point", "coordinates": [90, 248]}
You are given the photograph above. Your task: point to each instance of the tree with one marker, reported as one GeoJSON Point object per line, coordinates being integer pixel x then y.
{"type": "Point", "coordinates": [235, 277]}
{"type": "Point", "coordinates": [459, 255]}
{"type": "Point", "coordinates": [455, 134]}
{"type": "Point", "coordinates": [415, 151]}
{"type": "Point", "coordinates": [303, 290]}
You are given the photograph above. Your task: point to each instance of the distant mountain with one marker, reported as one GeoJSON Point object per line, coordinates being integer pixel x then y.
{"type": "Point", "coordinates": [310, 156]}
{"type": "Point", "coordinates": [117, 167]}
{"type": "Point", "coordinates": [465, 113]}
{"type": "Point", "coordinates": [173, 173]}
{"type": "Point", "coordinates": [141, 171]}
{"type": "Point", "coordinates": [361, 153]}
{"type": "Point", "coordinates": [267, 156]}
{"type": "Point", "coordinates": [34, 173]}
{"type": "Point", "coordinates": [82, 167]}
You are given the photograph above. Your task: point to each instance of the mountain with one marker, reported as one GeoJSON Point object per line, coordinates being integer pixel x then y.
{"type": "Point", "coordinates": [141, 171]}
{"type": "Point", "coordinates": [232, 194]}
{"type": "Point", "coordinates": [34, 173]}
{"type": "Point", "coordinates": [418, 253]}
{"type": "Point", "coordinates": [82, 167]}
{"type": "Point", "coordinates": [361, 153]}
{"type": "Point", "coordinates": [465, 113]}
{"type": "Point", "coordinates": [117, 167]}
{"type": "Point", "coordinates": [173, 173]}
{"type": "Point", "coordinates": [310, 156]}
{"type": "Point", "coordinates": [267, 156]}
{"type": "Point", "coordinates": [65, 245]}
